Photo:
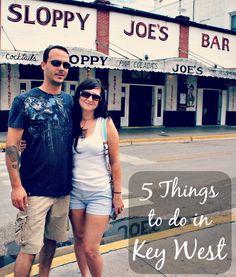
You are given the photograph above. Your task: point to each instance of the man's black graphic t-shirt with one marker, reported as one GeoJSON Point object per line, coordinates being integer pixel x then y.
{"type": "Point", "coordinates": [45, 168]}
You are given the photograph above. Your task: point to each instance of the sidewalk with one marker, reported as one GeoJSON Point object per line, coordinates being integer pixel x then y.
{"type": "Point", "coordinates": [130, 135]}
{"type": "Point", "coordinates": [119, 262]}
{"type": "Point", "coordinates": [118, 257]}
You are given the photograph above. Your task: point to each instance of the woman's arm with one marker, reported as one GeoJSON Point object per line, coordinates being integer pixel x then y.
{"type": "Point", "coordinates": [114, 157]}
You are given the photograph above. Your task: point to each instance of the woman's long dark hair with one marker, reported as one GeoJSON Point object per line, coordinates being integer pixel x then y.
{"type": "Point", "coordinates": [100, 111]}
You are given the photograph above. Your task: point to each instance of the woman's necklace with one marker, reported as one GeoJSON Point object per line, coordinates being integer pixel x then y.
{"type": "Point", "coordinates": [85, 126]}
{"type": "Point", "coordinates": [84, 131]}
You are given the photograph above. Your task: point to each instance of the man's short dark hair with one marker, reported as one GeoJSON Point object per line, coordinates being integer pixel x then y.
{"type": "Point", "coordinates": [49, 48]}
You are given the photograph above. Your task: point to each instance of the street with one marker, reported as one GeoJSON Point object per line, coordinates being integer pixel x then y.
{"type": "Point", "coordinates": [212, 155]}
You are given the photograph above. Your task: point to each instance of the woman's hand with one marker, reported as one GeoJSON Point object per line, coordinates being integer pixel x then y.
{"type": "Point", "coordinates": [118, 203]}
{"type": "Point", "coordinates": [22, 145]}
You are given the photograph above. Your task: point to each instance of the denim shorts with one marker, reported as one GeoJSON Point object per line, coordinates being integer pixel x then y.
{"type": "Point", "coordinates": [94, 202]}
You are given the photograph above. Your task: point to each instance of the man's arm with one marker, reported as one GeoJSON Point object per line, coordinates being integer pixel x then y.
{"type": "Point", "coordinates": [18, 194]}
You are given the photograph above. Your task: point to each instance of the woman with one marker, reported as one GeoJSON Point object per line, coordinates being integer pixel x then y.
{"type": "Point", "coordinates": [91, 195]}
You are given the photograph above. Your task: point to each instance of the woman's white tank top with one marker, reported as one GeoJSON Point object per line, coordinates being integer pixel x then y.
{"type": "Point", "coordinates": [89, 170]}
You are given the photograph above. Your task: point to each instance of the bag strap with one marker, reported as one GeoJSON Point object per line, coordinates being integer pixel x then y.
{"type": "Point", "coordinates": [104, 130]}
{"type": "Point", "coordinates": [105, 145]}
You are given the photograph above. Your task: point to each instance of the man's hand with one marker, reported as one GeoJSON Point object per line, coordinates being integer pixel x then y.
{"type": "Point", "coordinates": [19, 198]}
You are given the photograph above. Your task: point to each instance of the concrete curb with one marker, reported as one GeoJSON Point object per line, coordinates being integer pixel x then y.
{"type": "Point", "coordinates": [165, 139]}
{"type": "Point", "coordinates": [60, 252]}
{"type": "Point", "coordinates": [177, 138]}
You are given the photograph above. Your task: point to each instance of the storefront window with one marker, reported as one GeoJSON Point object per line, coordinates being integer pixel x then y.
{"type": "Point", "coordinates": [31, 72]}
{"type": "Point", "coordinates": [233, 22]}
{"type": "Point", "coordinates": [141, 77]}
{"type": "Point", "coordinates": [34, 72]}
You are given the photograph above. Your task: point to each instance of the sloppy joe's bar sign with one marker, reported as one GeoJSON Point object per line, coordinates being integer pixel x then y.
{"type": "Point", "coordinates": [45, 23]}
{"type": "Point", "coordinates": [80, 57]}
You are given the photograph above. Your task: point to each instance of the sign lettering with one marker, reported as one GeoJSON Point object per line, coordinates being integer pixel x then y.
{"type": "Point", "coordinates": [90, 60]}
{"type": "Point", "coordinates": [44, 16]}
{"type": "Point", "coordinates": [21, 57]}
{"type": "Point", "coordinates": [215, 42]}
{"type": "Point", "coordinates": [148, 31]}
{"type": "Point", "coordinates": [188, 69]}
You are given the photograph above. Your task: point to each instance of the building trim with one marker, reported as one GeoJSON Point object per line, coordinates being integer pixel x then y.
{"type": "Point", "coordinates": [183, 41]}
{"type": "Point", "coordinates": [80, 57]}
{"type": "Point", "coordinates": [102, 40]}
{"type": "Point", "coordinates": [125, 10]}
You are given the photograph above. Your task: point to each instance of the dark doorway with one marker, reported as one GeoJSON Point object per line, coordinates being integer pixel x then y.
{"type": "Point", "coordinates": [140, 105]}
{"type": "Point", "coordinates": [35, 84]}
{"type": "Point", "coordinates": [210, 107]}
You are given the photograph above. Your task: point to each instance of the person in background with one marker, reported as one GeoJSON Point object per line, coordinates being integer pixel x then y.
{"type": "Point", "coordinates": [190, 96]}
{"type": "Point", "coordinates": [92, 196]}
{"type": "Point", "coordinates": [41, 184]}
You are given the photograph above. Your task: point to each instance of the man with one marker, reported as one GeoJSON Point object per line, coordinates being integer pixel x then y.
{"type": "Point", "coordinates": [41, 186]}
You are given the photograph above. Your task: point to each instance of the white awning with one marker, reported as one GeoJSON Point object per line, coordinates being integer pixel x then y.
{"type": "Point", "coordinates": [80, 57]}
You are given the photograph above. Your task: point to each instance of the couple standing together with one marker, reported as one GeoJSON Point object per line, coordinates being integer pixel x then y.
{"type": "Point", "coordinates": [62, 169]}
